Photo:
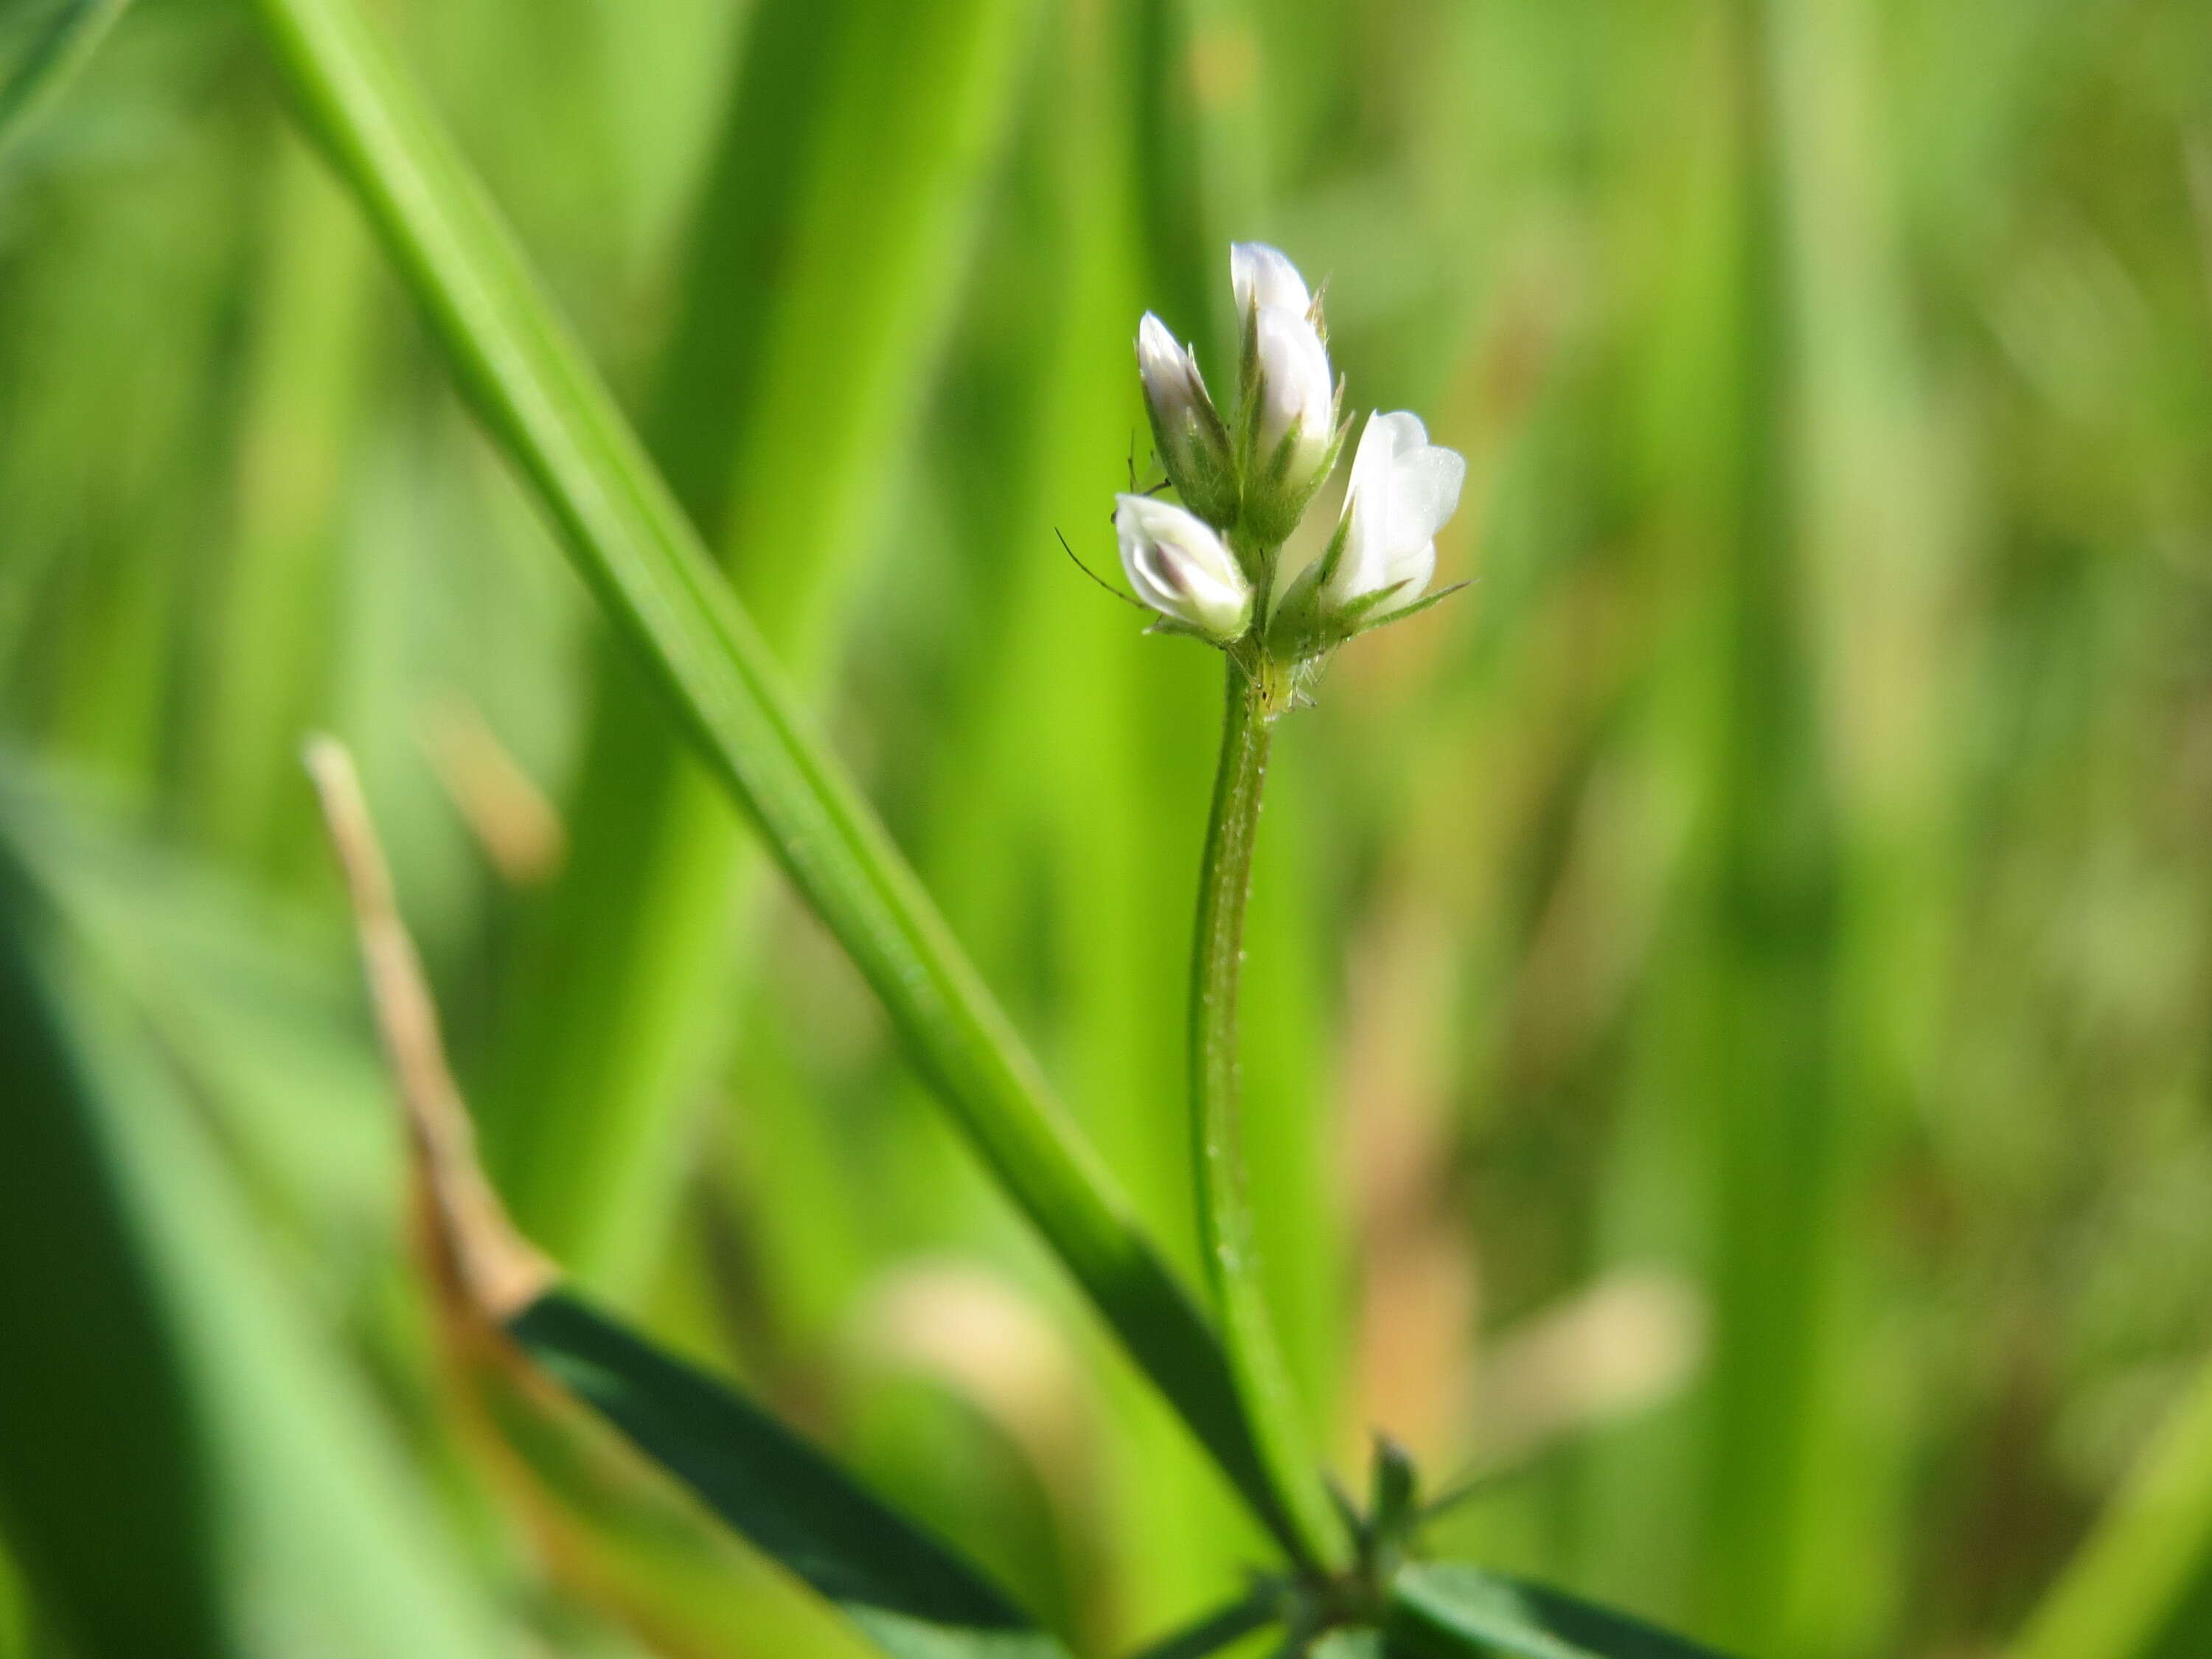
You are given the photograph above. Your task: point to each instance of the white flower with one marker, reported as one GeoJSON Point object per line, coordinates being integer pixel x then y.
{"type": "Point", "coordinates": [1173, 386]}
{"type": "Point", "coordinates": [1296, 391]}
{"type": "Point", "coordinates": [1181, 568]}
{"type": "Point", "coordinates": [1258, 272]}
{"type": "Point", "coordinates": [1403, 488]}
{"type": "Point", "coordinates": [1193, 444]}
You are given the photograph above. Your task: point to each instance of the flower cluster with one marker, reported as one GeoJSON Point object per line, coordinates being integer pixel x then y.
{"type": "Point", "coordinates": [1209, 566]}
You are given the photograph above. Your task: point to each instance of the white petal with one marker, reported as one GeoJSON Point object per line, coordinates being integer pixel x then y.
{"type": "Point", "coordinates": [1256, 271]}
{"type": "Point", "coordinates": [1385, 438]}
{"type": "Point", "coordinates": [1412, 566]}
{"type": "Point", "coordinates": [1180, 568]}
{"type": "Point", "coordinates": [1403, 488]}
{"type": "Point", "coordinates": [1294, 375]}
{"type": "Point", "coordinates": [1424, 491]}
{"type": "Point", "coordinates": [1170, 372]}
{"type": "Point", "coordinates": [1367, 509]}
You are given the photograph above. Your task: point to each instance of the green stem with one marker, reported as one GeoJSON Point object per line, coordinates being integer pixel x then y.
{"type": "Point", "coordinates": [1224, 1213]}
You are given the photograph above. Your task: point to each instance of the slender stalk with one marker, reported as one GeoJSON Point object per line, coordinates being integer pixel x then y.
{"type": "Point", "coordinates": [540, 398]}
{"type": "Point", "coordinates": [1225, 1212]}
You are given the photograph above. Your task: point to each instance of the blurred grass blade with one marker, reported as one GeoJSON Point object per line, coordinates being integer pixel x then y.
{"type": "Point", "coordinates": [534, 390]}
{"type": "Point", "coordinates": [162, 1391]}
{"type": "Point", "coordinates": [1445, 1611]}
{"type": "Point", "coordinates": [41, 50]}
{"type": "Point", "coordinates": [909, 1593]}
{"type": "Point", "coordinates": [2141, 1583]}
{"type": "Point", "coordinates": [857, 142]}
{"type": "Point", "coordinates": [100, 1442]}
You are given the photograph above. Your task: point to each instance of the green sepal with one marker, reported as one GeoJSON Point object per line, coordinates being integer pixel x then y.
{"type": "Point", "coordinates": [1200, 461]}
{"type": "Point", "coordinates": [1272, 504]}
{"type": "Point", "coordinates": [1393, 1488]}
{"type": "Point", "coordinates": [1304, 631]}
{"type": "Point", "coordinates": [1414, 609]}
{"type": "Point", "coordinates": [1297, 630]}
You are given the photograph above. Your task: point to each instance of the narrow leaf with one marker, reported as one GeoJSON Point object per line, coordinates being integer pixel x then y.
{"type": "Point", "coordinates": [904, 1589]}
{"type": "Point", "coordinates": [1445, 1610]}
{"type": "Point", "coordinates": [855, 143]}
{"type": "Point", "coordinates": [540, 398]}
{"type": "Point", "coordinates": [163, 1384]}
{"type": "Point", "coordinates": [100, 1441]}
{"type": "Point", "coordinates": [2131, 1586]}
{"type": "Point", "coordinates": [907, 1591]}
{"type": "Point", "coordinates": [1214, 1630]}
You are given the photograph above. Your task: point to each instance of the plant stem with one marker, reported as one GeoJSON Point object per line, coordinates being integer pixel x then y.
{"type": "Point", "coordinates": [1225, 1215]}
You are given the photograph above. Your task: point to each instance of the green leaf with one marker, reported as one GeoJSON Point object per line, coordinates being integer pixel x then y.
{"type": "Point", "coordinates": [1217, 1629]}
{"type": "Point", "coordinates": [856, 141]}
{"type": "Point", "coordinates": [163, 1386]}
{"type": "Point", "coordinates": [2139, 1584]}
{"type": "Point", "coordinates": [909, 1593]}
{"type": "Point", "coordinates": [542, 401]}
{"type": "Point", "coordinates": [100, 1441]}
{"type": "Point", "coordinates": [1445, 1610]}
{"type": "Point", "coordinates": [507, 1324]}
{"type": "Point", "coordinates": [41, 50]}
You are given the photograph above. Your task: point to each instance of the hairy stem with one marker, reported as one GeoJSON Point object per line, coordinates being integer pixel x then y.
{"type": "Point", "coordinates": [1224, 1214]}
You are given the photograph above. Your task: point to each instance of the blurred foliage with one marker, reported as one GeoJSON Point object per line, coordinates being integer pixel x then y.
{"type": "Point", "coordinates": [1744, 960]}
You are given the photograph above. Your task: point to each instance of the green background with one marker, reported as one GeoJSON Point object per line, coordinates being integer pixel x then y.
{"type": "Point", "coordinates": [1726, 1007]}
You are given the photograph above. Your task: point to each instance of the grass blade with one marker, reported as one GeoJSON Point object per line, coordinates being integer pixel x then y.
{"type": "Point", "coordinates": [857, 142]}
{"type": "Point", "coordinates": [100, 1442]}
{"type": "Point", "coordinates": [2132, 1586]}
{"type": "Point", "coordinates": [540, 399]}
{"type": "Point", "coordinates": [59, 46]}
{"type": "Point", "coordinates": [163, 1390]}
{"type": "Point", "coordinates": [912, 1596]}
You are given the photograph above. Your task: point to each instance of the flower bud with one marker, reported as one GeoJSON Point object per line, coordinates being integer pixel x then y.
{"type": "Point", "coordinates": [1290, 408]}
{"type": "Point", "coordinates": [1264, 276]}
{"type": "Point", "coordinates": [1181, 568]}
{"type": "Point", "coordinates": [1403, 488]}
{"type": "Point", "coordinates": [1193, 445]}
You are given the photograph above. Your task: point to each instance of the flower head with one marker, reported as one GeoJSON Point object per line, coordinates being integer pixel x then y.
{"type": "Point", "coordinates": [1290, 413]}
{"type": "Point", "coordinates": [1403, 489]}
{"type": "Point", "coordinates": [1182, 569]}
{"type": "Point", "coordinates": [1193, 445]}
{"type": "Point", "coordinates": [1209, 566]}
